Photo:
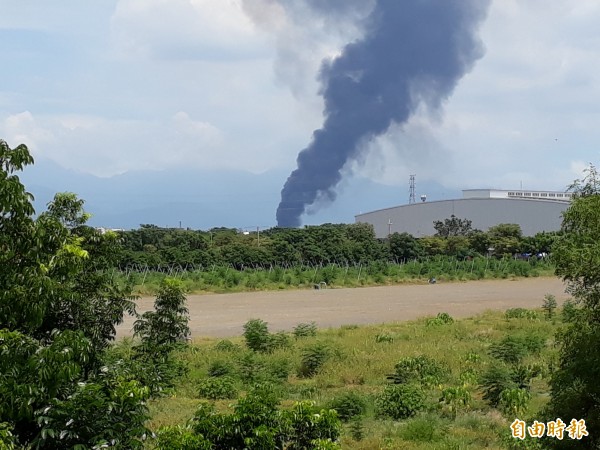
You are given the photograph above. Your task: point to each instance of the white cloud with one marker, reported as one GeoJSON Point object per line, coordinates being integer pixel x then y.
{"type": "Point", "coordinates": [22, 128]}
{"type": "Point", "coordinates": [105, 147]}
{"type": "Point", "coordinates": [184, 30]}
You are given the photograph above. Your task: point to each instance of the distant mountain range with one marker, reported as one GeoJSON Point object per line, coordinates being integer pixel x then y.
{"type": "Point", "coordinates": [204, 199]}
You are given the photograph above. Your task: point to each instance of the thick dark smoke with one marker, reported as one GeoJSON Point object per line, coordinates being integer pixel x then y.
{"type": "Point", "coordinates": [413, 52]}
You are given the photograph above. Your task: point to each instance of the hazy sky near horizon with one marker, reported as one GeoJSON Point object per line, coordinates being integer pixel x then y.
{"type": "Point", "coordinates": [106, 87]}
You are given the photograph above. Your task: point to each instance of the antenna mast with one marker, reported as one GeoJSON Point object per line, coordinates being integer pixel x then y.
{"type": "Point", "coordinates": [411, 189]}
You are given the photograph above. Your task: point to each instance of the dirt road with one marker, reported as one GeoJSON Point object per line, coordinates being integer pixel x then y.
{"type": "Point", "coordinates": [223, 315]}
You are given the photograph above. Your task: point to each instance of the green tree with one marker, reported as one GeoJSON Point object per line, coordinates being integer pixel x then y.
{"type": "Point", "coordinates": [257, 336]}
{"type": "Point", "coordinates": [453, 226]}
{"type": "Point", "coordinates": [67, 208]}
{"type": "Point", "coordinates": [434, 245]}
{"type": "Point", "coordinates": [404, 246]}
{"type": "Point", "coordinates": [506, 230]}
{"type": "Point", "coordinates": [161, 331]}
{"type": "Point", "coordinates": [505, 238]}
{"type": "Point", "coordinates": [58, 312]}
{"type": "Point", "coordinates": [575, 391]}
{"type": "Point", "coordinates": [479, 242]}
{"type": "Point", "coordinates": [168, 323]}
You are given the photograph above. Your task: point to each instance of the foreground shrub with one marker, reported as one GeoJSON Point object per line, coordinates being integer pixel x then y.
{"type": "Point", "coordinates": [419, 369]}
{"type": "Point", "coordinates": [258, 423]}
{"type": "Point", "coordinates": [348, 405]}
{"type": "Point", "coordinates": [497, 379]}
{"type": "Point", "coordinates": [116, 408]}
{"type": "Point", "coordinates": [225, 345]}
{"type": "Point", "coordinates": [313, 358]}
{"type": "Point", "coordinates": [305, 330]}
{"type": "Point", "coordinates": [257, 336]}
{"type": "Point", "coordinates": [7, 440]}
{"type": "Point", "coordinates": [549, 306]}
{"type": "Point", "coordinates": [512, 349]}
{"type": "Point", "coordinates": [250, 368]}
{"type": "Point", "coordinates": [59, 308]}
{"type": "Point", "coordinates": [501, 378]}
{"type": "Point", "coordinates": [180, 438]}
{"type": "Point", "coordinates": [217, 388]}
{"type": "Point", "coordinates": [426, 428]}
{"type": "Point", "coordinates": [400, 401]}
{"type": "Point", "coordinates": [514, 401]}
{"type": "Point", "coordinates": [441, 319]}
{"type": "Point", "coordinates": [279, 340]}
{"type": "Point", "coordinates": [220, 368]}
{"type": "Point", "coordinates": [570, 311]}
{"type": "Point", "coordinates": [456, 399]}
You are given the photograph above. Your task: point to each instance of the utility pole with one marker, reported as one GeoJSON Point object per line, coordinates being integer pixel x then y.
{"type": "Point", "coordinates": [389, 227]}
{"type": "Point", "coordinates": [411, 190]}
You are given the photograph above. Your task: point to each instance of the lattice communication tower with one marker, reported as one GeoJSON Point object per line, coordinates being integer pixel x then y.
{"type": "Point", "coordinates": [411, 190]}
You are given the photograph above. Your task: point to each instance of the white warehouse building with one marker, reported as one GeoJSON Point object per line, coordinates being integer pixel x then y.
{"type": "Point", "coordinates": [534, 211]}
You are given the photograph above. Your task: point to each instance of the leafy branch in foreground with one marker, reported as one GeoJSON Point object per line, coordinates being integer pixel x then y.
{"type": "Point", "coordinates": [58, 312]}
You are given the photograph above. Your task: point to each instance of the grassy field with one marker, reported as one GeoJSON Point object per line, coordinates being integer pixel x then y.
{"type": "Point", "coordinates": [220, 279]}
{"type": "Point", "coordinates": [355, 362]}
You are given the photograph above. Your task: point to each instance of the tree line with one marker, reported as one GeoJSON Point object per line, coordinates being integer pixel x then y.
{"type": "Point", "coordinates": [153, 246]}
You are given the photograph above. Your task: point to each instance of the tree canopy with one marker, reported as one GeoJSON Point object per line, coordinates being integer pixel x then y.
{"type": "Point", "coordinates": [58, 312]}
{"type": "Point", "coordinates": [576, 254]}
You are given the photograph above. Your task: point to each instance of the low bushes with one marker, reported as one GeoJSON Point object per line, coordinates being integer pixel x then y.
{"type": "Point", "coordinates": [419, 369]}
{"type": "Point", "coordinates": [218, 388]}
{"type": "Point", "coordinates": [313, 358]}
{"type": "Point", "coordinates": [400, 401]}
{"type": "Point", "coordinates": [348, 405]}
{"type": "Point", "coordinates": [256, 422]}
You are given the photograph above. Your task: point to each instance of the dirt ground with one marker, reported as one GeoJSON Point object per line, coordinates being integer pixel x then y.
{"type": "Point", "coordinates": [223, 315]}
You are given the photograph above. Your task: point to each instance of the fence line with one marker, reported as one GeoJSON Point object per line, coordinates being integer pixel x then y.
{"type": "Point", "coordinates": [429, 266]}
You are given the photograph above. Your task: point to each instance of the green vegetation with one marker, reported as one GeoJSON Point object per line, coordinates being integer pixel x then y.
{"type": "Point", "coordinates": [329, 255]}
{"type": "Point", "coordinates": [256, 422]}
{"type": "Point", "coordinates": [305, 330]}
{"type": "Point", "coordinates": [440, 386]}
{"type": "Point", "coordinates": [575, 387]}
{"type": "Point", "coordinates": [434, 383]}
{"type": "Point", "coordinates": [58, 310]}
{"type": "Point", "coordinates": [443, 268]}
{"type": "Point", "coordinates": [62, 383]}
{"type": "Point", "coordinates": [318, 246]}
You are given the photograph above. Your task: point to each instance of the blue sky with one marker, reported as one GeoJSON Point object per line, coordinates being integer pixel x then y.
{"type": "Point", "coordinates": [113, 86]}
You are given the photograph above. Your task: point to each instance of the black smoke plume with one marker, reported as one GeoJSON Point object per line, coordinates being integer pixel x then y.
{"type": "Point", "coordinates": [413, 52]}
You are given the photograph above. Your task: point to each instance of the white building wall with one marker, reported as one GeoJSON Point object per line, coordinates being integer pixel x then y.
{"type": "Point", "coordinates": [500, 193]}
{"type": "Point", "coordinates": [533, 216]}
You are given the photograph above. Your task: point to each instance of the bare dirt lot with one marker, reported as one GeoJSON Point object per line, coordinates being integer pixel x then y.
{"type": "Point", "coordinates": [223, 315]}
